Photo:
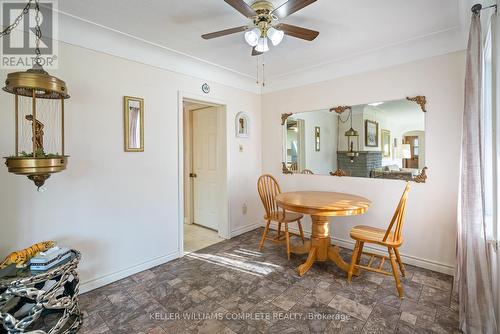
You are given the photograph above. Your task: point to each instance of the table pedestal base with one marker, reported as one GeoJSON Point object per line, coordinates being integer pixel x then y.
{"type": "Point", "coordinates": [319, 247]}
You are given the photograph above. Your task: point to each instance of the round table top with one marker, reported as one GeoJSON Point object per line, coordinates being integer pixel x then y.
{"type": "Point", "coordinates": [323, 203]}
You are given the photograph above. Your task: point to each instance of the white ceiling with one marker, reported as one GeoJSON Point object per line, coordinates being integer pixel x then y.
{"type": "Point", "coordinates": [347, 28]}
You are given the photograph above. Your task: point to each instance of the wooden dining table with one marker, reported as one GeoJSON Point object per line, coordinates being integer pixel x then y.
{"type": "Point", "coordinates": [321, 205]}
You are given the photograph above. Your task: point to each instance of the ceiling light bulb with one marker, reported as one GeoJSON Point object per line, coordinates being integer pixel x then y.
{"type": "Point", "coordinates": [252, 36]}
{"type": "Point", "coordinates": [262, 45]}
{"type": "Point", "coordinates": [275, 35]}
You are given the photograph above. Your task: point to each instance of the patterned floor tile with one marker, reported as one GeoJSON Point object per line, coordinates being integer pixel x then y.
{"type": "Point", "coordinates": [230, 287]}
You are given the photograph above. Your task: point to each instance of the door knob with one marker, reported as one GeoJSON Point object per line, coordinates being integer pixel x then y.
{"type": "Point", "coordinates": [192, 175]}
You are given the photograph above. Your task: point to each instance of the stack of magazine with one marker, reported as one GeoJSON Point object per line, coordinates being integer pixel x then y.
{"type": "Point", "coordinates": [50, 258]}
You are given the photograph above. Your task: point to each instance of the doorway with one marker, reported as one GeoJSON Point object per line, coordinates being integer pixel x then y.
{"type": "Point", "coordinates": [295, 139]}
{"type": "Point", "coordinates": [416, 142]}
{"type": "Point", "coordinates": [205, 174]}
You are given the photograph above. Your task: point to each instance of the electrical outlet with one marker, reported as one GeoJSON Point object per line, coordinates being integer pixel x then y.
{"type": "Point", "coordinates": [244, 209]}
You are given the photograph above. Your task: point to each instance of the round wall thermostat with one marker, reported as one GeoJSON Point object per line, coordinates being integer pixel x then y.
{"type": "Point", "coordinates": [205, 88]}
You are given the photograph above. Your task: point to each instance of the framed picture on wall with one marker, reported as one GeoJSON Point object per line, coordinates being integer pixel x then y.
{"type": "Point", "coordinates": [371, 133]}
{"type": "Point", "coordinates": [134, 123]}
{"type": "Point", "coordinates": [242, 125]}
{"type": "Point", "coordinates": [317, 138]}
{"type": "Point", "coordinates": [386, 143]}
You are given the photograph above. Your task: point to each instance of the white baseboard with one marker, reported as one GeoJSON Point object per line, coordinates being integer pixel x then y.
{"type": "Point", "coordinates": [116, 276]}
{"type": "Point", "coordinates": [408, 259]}
{"type": "Point", "coordinates": [110, 278]}
{"type": "Point", "coordinates": [244, 229]}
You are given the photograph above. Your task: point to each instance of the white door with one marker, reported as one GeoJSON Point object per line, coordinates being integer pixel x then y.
{"type": "Point", "coordinates": [206, 169]}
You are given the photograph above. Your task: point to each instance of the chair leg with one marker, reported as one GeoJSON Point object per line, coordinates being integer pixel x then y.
{"type": "Point", "coordinates": [287, 234]}
{"type": "Point", "coordinates": [360, 253]}
{"type": "Point", "coordinates": [353, 261]}
{"type": "Point", "coordinates": [264, 236]}
{"type": "Point", "coordinates": [301, 232]}
{"type": "Point", "coordinates": [395, 272]}
{"type": "Point", "coordinates": [401, 266]}
{"type": "Point", "coordinates": [279, 232]}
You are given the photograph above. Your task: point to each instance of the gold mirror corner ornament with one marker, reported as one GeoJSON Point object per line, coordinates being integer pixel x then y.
{"type": "Point", "coordinates": [339, 172]}
{"type": "Point", "coordinates": [285, 169]}
{"type": "Point", "coordinates": [340, 109]}
{"type": "Point", "coordinates": [420, 100]}
{"type": "Point", "coordinates": [284, 117]}
{"type": "Point", "coordinates": [422, 177]}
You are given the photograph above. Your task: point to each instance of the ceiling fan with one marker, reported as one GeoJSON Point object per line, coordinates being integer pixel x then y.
{"type": "Point", "coordinates": [263, 13]}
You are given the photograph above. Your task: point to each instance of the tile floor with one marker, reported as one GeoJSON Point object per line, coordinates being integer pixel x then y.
{"type": "Point", "coordinates": [197, 237]}
{"type": "Point", "coordinates": [230, 287]}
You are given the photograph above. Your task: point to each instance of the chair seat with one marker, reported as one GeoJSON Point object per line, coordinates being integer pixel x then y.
{"type": "Point", "coordinates": [372, 234]}
{"type": "Point", "coordinates": [287, 218]}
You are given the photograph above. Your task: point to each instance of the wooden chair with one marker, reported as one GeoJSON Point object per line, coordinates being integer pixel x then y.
{"type": "Point", "coordinates": [390, 238]}
{"type": "Point", "coordinates": [307, 171]}
{"type": "Point", "coordinates": [268, 188]}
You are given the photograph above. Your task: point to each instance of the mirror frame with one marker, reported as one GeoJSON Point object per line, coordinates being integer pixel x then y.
{"type": "Point", "coordinates": [126, 100]}
{"type": "Point", "coordinates": [421, 100]}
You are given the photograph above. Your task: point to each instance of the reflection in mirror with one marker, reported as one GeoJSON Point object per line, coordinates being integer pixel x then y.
{"type": "Point", "coordinates": [134, 124]}
{"type": "Point", "coordinates": [376, 140]}
{"type": "Point", "coordinates": [311, 142]}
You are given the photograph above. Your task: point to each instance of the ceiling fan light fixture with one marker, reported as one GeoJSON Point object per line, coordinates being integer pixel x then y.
{"type": "Point", "coordinates": [275, 35]}
{"type": "Point", "coordinates": [262, 45]}
{"type": "Point", "coordinates": [252, 36]}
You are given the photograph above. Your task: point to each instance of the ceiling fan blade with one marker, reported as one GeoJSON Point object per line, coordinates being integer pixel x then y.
{"type": "Point", "coordinates": [297, 32]}
{"type": "Point", "coordinates": [290, 7]}
{"type": "Point", "coordinates": [242, 7]}
{"type": "Point", "coordinates": [224, 32]}
{"type": "Point", "coordinates": [255, 52]}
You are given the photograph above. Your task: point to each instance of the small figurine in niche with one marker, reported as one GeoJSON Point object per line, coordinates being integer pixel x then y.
{"type": "Point", "coordinates": [38, 135]}
{"type": "Point", "coordinates": [21, 257]}
{"type": "Point", "coordinates": [242, 126]}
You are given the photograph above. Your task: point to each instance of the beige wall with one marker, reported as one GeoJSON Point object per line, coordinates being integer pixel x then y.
{"type": "Point", "coordinates": [121, 209]}
{"type": "Point", "coordinates": [431, 214]}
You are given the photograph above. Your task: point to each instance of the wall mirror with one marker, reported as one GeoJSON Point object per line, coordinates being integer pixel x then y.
{"type": "Point", "coordinates": [134, 124]}
{"type": "Point", "coordinates": [383, 139]}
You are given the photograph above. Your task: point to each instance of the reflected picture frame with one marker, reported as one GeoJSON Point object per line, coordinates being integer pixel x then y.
{"type": "Point", "coordinates": [371, 133]}
{"type": "Point", "coordinates": [386, 143]}
{"type": "Point", "coordinates": [133, 109]}
{"type": "Point", "coordinates": [317, 138]}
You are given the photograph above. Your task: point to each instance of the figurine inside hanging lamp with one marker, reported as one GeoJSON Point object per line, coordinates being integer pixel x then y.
{"type": "Point", "coordinates": [39, 116]}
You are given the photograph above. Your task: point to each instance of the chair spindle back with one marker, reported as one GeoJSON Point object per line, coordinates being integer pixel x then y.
{"type": "Point", "coordinates": [268, 189]}
{"type": "Point", "coordinates": [397, 220]}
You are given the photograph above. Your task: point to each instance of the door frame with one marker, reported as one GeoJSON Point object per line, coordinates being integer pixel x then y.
{"type": "Point", "coordinates": [224, 226]}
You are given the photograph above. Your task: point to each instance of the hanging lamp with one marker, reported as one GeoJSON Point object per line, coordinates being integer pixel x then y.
{"type": "Point", "coordinates": [352, 136]}
{"type": "Point", "coordinates": [38, 96]}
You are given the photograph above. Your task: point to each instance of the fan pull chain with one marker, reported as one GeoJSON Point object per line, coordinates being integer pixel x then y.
{"type": "Point", "coordinates": [257, 69]}
{"type": "Point", "coordinates": [263, 75]}
{"type": "Point", "coordinates": [263, 71]}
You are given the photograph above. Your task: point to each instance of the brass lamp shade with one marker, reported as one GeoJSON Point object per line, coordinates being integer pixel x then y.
{"type": "Point", "coordinates": [351, 133]}
{"type": "Point", "coordinates": [36, 79]}
{"type": "Point", "coordinates": [32, 166]}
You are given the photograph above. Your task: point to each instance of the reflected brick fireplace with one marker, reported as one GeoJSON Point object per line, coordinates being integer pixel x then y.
{"type": "Point", "coordinates": [362, 165]}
